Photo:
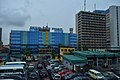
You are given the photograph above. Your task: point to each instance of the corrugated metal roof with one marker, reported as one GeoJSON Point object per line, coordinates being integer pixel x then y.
{"type": "Point", "coordinates": [74, 59]}
{"type": "Point", "coordinates": [96, 54]}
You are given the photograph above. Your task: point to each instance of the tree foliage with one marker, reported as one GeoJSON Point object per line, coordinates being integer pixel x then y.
{"type": "Point", "coordinates": [85, 48]}
{"type": "Point", "coordinates": [27, 52]}
{"type": "Point", "coordinates": [53, 55]}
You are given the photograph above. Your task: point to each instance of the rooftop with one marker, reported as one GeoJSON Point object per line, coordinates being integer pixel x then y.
{"type": "Point", "coordinates": [96, 53]}
{"type": "Point", "coordinates": [74, 59]}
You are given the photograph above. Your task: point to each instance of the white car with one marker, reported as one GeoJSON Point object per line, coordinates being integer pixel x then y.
{"type": "Point", "coordinates": [49, 67]}
{"type": "Point", "coordinates": [95, 74]}
{"type": "Point", "coordinates": [56, 76]}
{"type": "Point", "coordinates": [56, 67]}
{"type": "Point", "coordinates": [114, 75]}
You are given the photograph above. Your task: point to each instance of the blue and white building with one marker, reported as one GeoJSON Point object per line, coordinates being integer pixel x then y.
{"type": "Point", "coordinates": [38, 39]}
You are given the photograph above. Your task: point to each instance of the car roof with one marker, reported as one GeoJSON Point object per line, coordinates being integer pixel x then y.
{"type": "Point", "coordinates": [16, 62]}
{"type": "Point", "coordinates": [56, 74]}
{"type": "Point", "coordinates": [11, 67]}
{"type": "Point", "coordinates": [7, 79]}
{"type": "Point", "coordinates": [94, 71]}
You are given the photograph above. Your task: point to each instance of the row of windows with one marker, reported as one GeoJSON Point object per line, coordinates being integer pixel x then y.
{"type": "Point", "coordinates": [67, 50]}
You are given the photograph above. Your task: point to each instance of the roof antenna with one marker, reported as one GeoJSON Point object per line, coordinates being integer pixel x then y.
{"type": "Point", "coordinates": [47, 25]}
{"type": "Point", "coordinates": [94, 6]}
{"type": "Point", "coordinates": [84, 5]}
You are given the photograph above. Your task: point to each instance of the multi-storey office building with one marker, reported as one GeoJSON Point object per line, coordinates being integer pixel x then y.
{"type": "Point", "coordinates": [91, 30]}
{"type": "Point", "coordinates": [113, 27]}
{"type": "Point", "coordinates": [1, 37]}
{"type": "Point", "coordinates": [0, 34]}
{"type": "Point", "coordinates": [22, 40]}
{"type": "Point", "coordinates": [40, 40]}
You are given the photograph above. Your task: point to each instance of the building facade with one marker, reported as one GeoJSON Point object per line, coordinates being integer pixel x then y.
{"type": "Point", "coordinates": [99, 29]}
{"type": "Point", "coordinates": [91, 59]}
{"type": "Point", "coordinates": [99, 58]}
{"type": "Point", "coordinates": [113, 27]}
{"type": "Point", "coordinates": [91, 30]}
{"type": "Point", "coordinates": [39, 40]}
{"type": "Point", "coordinates": [0, 34]}
{"type": "Point", "coordinates": [1, 43]}
{"type": "Point", "coordinates": [71, 61]}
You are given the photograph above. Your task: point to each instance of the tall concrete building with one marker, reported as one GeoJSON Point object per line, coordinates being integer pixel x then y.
{"type": "Point", "coordinates": [0, 34]}
{"type": "Point", "coordinates": [91, 30]}
{"type": "Point", "coordinates": [105, 24]}
{"type": "Point", "coordinates": [114, 27]}
{"type": "Point", "coordinates": [1, 43]}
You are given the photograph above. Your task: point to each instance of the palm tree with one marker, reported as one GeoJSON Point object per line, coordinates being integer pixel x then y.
{"type": "Point", "coordinates": [27, 53]}
{"type": "Point", "coordinates": [59, 57]}
{"type": "Point", "coordinates": [53, 55]}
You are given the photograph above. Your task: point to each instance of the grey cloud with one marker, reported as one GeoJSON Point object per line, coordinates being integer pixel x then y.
{"type": "Point", "coordinates": [13, 17]}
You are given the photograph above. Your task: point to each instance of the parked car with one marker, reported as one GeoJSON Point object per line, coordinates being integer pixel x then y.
{"type": "Point", "coordinates": [40, 66]}
{"type": "Point", "coordinates": [36, 58]}
{"type": "Point", "coordinates": [67, 73]}
{"type": "Point", "coordinates": [43, 73]}
{"type": "Point", "coordinates": [31, 67]}
{"type": "Point", "coordinates": [108, 76]}
{"type": "Point", "coordinates": [46, 63]}
{"type": "Point", "coordinates": [116, 71]}
{"type": "Point", "coordinates": [71, 76]}
{"type": "Point", "coordinates": [95, 74]}
{"type": "Point", "coordinates": [14, 77]}
{"type": "Point", "coordinates": [81, 78]}
{"type": "Point", "coordinates": [33, 75]}
{"type": "Point", "coordinates": [114, 76]}
{"type": "Point", "coordinates": [62, 66]}
{"type": "Point", "coordinates": [53, 71]}
{"type": "Point", "coordinates": [46, 78]}
{"type": "Point", "coordinates": [55, 76]}
{"type": "Point", "coordinates": [48, 67]}
{"type": "Point", "coordinates": [53, 60]}
{"type": "Point", "coordinates": [63, 71]}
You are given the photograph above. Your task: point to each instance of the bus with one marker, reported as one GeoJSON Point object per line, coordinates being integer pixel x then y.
{"type": "Point", "coordinates": [15, 63]}
{"type": "Point", "coordinates": [12, 70]}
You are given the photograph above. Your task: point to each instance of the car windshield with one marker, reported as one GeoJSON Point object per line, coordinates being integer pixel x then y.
{"type": "Point", "coordinates": [98, 74]}
{"type": "Point", "coordinates": [13, 77]}
{"type": "Point", "coordinates": [11, 70]}
{"type": "Point", "coordinates": [33, 74]}
{"type": "Point", "coordinates": [31, 66]}
{"type": "Point", "coordinates": [57, 77]}
{"type": "Point", "coordinates": [105, 74]}
{"type": "Point", "coordinates": [39, 64]}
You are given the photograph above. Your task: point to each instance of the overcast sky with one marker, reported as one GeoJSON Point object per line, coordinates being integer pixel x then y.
{"type": "Point", "coordinates": [20, 14]}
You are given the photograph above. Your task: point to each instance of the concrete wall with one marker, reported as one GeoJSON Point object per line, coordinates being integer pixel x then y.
{"type": "Point", "coordinates": [71, 65]}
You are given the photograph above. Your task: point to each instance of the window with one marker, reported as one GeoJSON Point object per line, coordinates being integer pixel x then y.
{"type": "Point", "coordinates": [65, 50]}
{"type": "Point", "coordinates": [72, 49]}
